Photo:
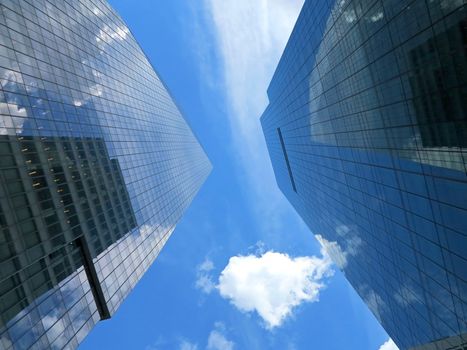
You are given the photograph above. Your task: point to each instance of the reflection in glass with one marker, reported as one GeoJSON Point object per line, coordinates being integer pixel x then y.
{"type": "Point", "coordinates": [370, 98]}
{"type": "Point", "coordinates": [54, 191]}
{"type": "Point", "coordinates": [97, 165]}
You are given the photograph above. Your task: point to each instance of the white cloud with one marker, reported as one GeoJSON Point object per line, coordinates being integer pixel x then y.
{"type": "Point", "coordinates": [205, 283]}
{"type": "Point", "coordinates": [406, 295]}
{"type": "Point", "coordinates": [389, 345]}
{"type": "Point", "coordinates": [374, 301]}
{"type": "Point", "coordinates": [206, 266]}
{"type": "Point", "coordinates": [377, 17]}
{"type": "Point", "coordinates": [258, 248]}
{"type": "Point", "coordinates": [186, 345]}
{"type": "Point", "coordinates": [204, 280]}
{"type": "Point", "coordinates": [12, 118]}
{"type": "Point", "coordinates": [217, 340]}
{"type": "Point", "coordinates": [336, 251]}
{"type": "Point", "coordinates": [10, 77]}
{"type": "Point", "coordinates": [107, 33]}
{"type": "Point", "coordinates": [166, 343]}
{"type": "Point", "coordinates": [96, 90]}
{"type": "Point", "coordinates": [251, 36]}
{"type": "Point", "coordinates": [5, 341]}
{"type": "Point", "coordinates": [160, 343]}
{"type": "Point", "coordinates": [97, 11]}
{"type": "Point", "coordinates": [120, 33]}
{"type": "Point", "coordinates": [273, 284]}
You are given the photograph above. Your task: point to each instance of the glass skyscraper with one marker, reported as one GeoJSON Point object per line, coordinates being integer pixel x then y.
{"type": "Point", "coordinates": [97, 165]}
{"type": "Point", "coordinates": [367, 132]}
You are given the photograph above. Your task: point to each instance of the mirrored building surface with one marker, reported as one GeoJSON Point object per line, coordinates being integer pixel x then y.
{"type": "Point", "coordinates": [367, 129]}
{"type": "Point", "coordinates": [97, 165]}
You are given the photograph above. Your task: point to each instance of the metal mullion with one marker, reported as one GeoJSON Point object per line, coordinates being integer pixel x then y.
{"type": "Point", "coordinates": [98, 170]}
{"type": "Point", "coordinates": [88, 192]}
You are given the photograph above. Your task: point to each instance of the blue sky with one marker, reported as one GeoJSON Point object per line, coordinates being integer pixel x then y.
{"type": "Point", "coordinates": [241, 270]}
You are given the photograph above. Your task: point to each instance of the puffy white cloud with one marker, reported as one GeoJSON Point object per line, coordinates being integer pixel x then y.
{"type": "Point", "coordinates": [217, 340]}
{"type": "Point", "coordinates": [389, 345]}
{"type": "Point", "coordinates": [204, 280]}
{"type": "Point", "coordinates": [273, 284]}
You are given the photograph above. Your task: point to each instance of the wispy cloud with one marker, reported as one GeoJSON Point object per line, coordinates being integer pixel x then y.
{"type": "Point", "coordinates": [251, 36]}
{"type": "Point", "coordinates": [160, 343]}
{"type": "Point", "coordinates": [204, 280]}
{"type": "Point", "coordinates": [340, 254]}
{"type": "Point", "coordinates": [186, 345]}
{"type": "Point", "coordinates": [172, 343]}
{"type": "Point", "coordinates": [217, 339]}
{"type": "Point", "coordinates": [273, 284]}
{"type": "Point", "coordinates": [389, 345]}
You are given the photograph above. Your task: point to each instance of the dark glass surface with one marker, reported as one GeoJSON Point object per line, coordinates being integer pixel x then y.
{"type": "Point", "coordinates": [96, 167]}
{"type": "Point", "coordinates": [370, 98]}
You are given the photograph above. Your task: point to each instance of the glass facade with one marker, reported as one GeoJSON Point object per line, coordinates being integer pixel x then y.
{"type": "Point", "coordinates": [97, 165]}
{"type": "Point", "coordinates": [366, 130]}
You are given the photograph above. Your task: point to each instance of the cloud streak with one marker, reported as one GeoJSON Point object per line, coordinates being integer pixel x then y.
{"type": "Point", "coordinates": [251, 36]}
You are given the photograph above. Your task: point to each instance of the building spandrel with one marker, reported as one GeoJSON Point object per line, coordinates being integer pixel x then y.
{"type": "Point", "coordinates": [97, 165]}
{"type": "Point", "coordinates": [366, 131]}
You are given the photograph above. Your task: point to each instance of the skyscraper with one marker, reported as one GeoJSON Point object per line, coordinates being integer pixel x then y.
{"type": "Point", "coordinates": [97, 165]}
{"type": "Point", "coordinates": [366, 129]}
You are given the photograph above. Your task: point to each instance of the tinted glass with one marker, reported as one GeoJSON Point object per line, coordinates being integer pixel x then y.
{"type": "Point", "coordinates": [370, 98]}
{"type": "Point", "coordinates": [96, 167]}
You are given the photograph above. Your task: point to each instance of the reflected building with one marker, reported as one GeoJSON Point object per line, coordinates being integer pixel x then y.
{"type": "Point", "coordinates": [436, 84]}
{"type": "Point", "coordinates": [97, 165]}
{"type": "Point", "coordinates": [366, 130]}
{"type": "Point", "coordinates": [60, 199]}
